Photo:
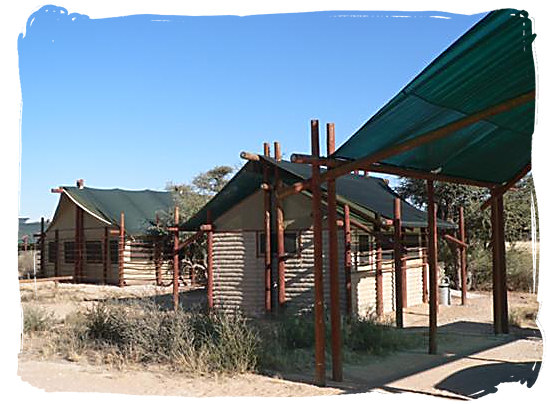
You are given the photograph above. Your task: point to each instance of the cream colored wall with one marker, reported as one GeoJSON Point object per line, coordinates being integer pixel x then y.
{"type": "Point", "coordinates": [249, 214]}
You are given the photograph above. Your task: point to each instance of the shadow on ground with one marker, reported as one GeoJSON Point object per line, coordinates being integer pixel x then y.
{"type": "Point", "coordinates": [479, 381]}
{"type": "Point", "coordinates": [456, 341]}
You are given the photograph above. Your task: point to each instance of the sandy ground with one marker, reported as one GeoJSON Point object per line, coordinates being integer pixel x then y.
{"type": "Point", "coordinates": [470, 357]}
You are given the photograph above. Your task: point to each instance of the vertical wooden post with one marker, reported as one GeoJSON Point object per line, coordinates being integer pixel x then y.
{"type": "Point", "coordinates": [398, 262]}
{"type": "Point", "coordinates": [42, 248]}
{"type": "Point", "coordinates": [175, 258]}
{"type": "Point", "coordinates": [157, 256]}
{"type": "Point", "coordinates": [347, 260]}
{"type": "Point", "coordinates": [432, 260]}
{"type": "Point", "coordinates": [424, 249]}
{"type": "Point", "coordinates": [57, 254]}
{"type": "Point", "coordinates": [105, 254]}
{"type": "Point", "coordinates": [121, 249]}
{"type": "Point", "coordinates": [336, 338]}
{"type": "Point", "coordinates": [320, 376]}
{"type": "Point", "coordinates": [463, 273]}
{"type": "Point", "coordinates": [281, 266]}
{"type": "Point", "coordinates": [267, 232]}
{"type": "Point", "coordinates": [278, 152]}
{"type": "Point", "coordinates": [379, 276]}
{"type": "Point", "coordinates": [79, 240]}
{"type": "Point", "coordinates": [496, 244]}
{"type": "Point", "coordinates": [210, 257]}
{"type": "Point", "coordinates": [503, 277]}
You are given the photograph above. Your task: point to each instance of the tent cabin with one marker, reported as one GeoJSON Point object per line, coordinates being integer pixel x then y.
{"type": "Point", "coordinates": [29, 233]}
{"type": "Point", "coordinates": [240, 268]}
{"type": "Point", "coordinates": [103, 236]}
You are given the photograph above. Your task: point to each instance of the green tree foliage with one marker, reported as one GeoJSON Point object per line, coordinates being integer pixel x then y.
{"type": "Point", "coordinates": [192, 197]}
{"type": "Point", "coordinates": [449, 198]}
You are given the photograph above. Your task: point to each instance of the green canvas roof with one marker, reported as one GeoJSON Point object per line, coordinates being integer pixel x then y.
{"type": "Point", "coordinates": [489, 65]}
{"type": "Point", "coordinates": [28, 229]}
{"type": "Point", "coordinates": [368, 195]}
{"type": "Point", "coordinates": [140, 207]}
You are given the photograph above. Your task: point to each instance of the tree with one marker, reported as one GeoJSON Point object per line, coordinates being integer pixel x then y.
{"type": "Point", "coordinates": [192, 197]}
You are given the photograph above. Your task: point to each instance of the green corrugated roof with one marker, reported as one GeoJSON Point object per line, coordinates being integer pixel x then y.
{"type": "Point", "coordinates": [488, 65]}
{"type": "Point", "coordinates": [370, 195]}
{"type": "Point", "coordinates": [140, 207]}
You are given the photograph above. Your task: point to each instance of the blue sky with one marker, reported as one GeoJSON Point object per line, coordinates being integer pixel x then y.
{"type": "Point", "coordinates": [135, 102]}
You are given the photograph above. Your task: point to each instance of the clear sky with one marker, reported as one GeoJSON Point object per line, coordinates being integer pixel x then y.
{"type": "Point", "coordinates": [135, 102]}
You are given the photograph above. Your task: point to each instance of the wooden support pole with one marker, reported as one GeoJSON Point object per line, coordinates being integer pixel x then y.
{"type": "Point", "coordinates": [79, 241]}
{"type": "Point", "coordinates": [281, 266]}
{"type": "Point", "coordinates": [176, 260]}
{"type": "Point", "coordinates": [379, 276]}
{"type": "Point", "coordinates": [497, 319]}
{"type": "Point", "coordinates": [158, 255]}
{"type": "Point", "coordinates": [277, 151]}
{"type": "Point", "coordinates": [336, 338]}
{"type": "Point", "coordinates": [210, 258]}
{"type": "Point", "coordinates": [267, 232]}
{"type": "Point", "coordinates": [106, 260]}
{"type": "Point", "coordinates": [398, 262]}
{"type": "Point", "coordinates": [432, 260]}
{"type": "Point", "coordinates": [503, 277]}
{"type": "Point", "coordinates": [57, 254]}
{"type": "Point", "coordinates": [121, 249]}
{"type": "Point", "coordinates": [320, 376]}
{"type": "Point", "coordinates": [347, 258]}
{"type": "Point", "coordinates": [42, 248]}
{"type": "Point", "coordinates": [463, 272]}
{"type": "Point", "coordinates": [423, 243]}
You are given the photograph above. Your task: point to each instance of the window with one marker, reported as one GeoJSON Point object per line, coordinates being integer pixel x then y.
{"type": "Point", "coordinates": [94, 252]}
{"type": "Point", "coordinates": [52, 252]}
{"type": "Point", "coordinates": [292, 243]}
{"type": "Point", "coordinates": [260, 244]}
{"type": "Point", "coordinates": [363, 243]}
{"type": "Point", "coordinates": [113, 251]}
{"type": "Point", "coordinates": [69, 247]}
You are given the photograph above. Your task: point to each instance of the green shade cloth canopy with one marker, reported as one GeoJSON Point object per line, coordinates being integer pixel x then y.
{"type": "Point", "coordinates": [140, 207]}
{"type": "Point", "coordinates": [489, 65]}
{"type": "Point", "coordinates": [367, 195]}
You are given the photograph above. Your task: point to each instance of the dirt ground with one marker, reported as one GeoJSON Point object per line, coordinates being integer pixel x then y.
{"type": "Point", "coordinates": [471, 360]}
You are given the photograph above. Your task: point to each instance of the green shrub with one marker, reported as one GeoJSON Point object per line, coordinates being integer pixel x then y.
{"type": "Point", "coordinates": [368, 336]}
{"type": "Point", "coordinates": [143, 333]}
{"type": "Point", "coordinates": [36, 319]}
{"type": "Point", "coordinates": [519, 268]}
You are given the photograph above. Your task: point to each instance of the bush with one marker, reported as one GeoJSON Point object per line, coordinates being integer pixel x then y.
{"type": "Point", "coordinates": [519, 268]}
{"type": "Point", "coordinates": [367, 336]}
{"type": "Point", "coordinates": [36, 319]}
{"type": "Point", "coordinates": [143, 333]}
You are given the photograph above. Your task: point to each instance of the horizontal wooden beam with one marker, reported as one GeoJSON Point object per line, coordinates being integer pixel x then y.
{"type": "Point", "coordinates": [190, 240]}
{"type": "Point", "coordinates": [51, 279]}
{"type": "Point", "coordinates": [207, 227]}
{"type": "Point", "coordinates": [250, 156]}
{"type": "Point", "coordinates": [454, 240]}
{"type": "Point", "coordinates": [58, 190]}
{"type": "Point", "coordinates": [393, 170]}
{"type": "Point", "coordinates": [498, 192]}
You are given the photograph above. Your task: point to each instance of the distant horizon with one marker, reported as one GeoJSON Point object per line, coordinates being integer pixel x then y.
{"type": "Point", "coordinates": [138, 102]}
